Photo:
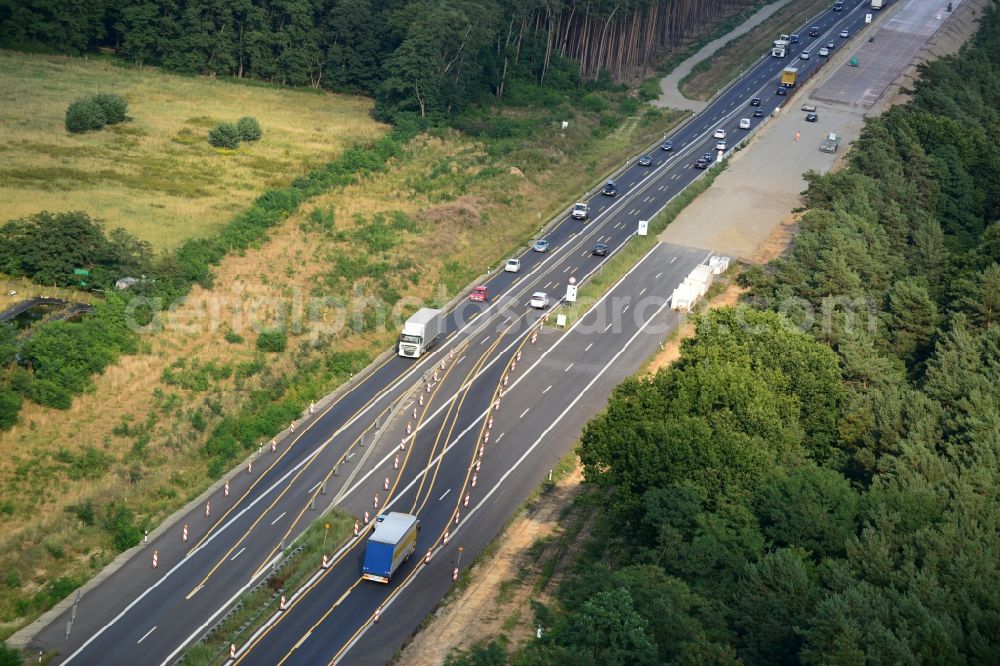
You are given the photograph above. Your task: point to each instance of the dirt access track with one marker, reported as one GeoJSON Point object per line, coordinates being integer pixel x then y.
{"type": "Point", "coordinates": [745, 214]}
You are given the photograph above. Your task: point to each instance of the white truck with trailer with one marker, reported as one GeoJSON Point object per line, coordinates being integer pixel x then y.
{"type": "Point", "coordinates": [420, 332]}
{"type": "Point", "coordinates": [780, 47]}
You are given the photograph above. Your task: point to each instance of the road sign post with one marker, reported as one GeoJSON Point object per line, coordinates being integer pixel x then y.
{"type": "Point", "coordinates": [571, 291]}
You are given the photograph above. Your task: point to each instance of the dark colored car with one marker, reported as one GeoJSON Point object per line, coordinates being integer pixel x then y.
{"type": "Point", "coordinates": [646, 160]}
{"type": "Point", "coordinates": [704, 161]}
{"type": "Point", "coordinates": [610, 189]}
{"type": "Point", "coordinates": [755, 101]}
{"type": "Point", "coordinates": [811, 117]}
{"type": "Point", "coordinates": [667, 145]}
{"type": "Point", "coordinates": [600, 250]}
{"type": "Point", "coordinates": [757, 113]}
{"type": "Point", "coordinates": [781, 91]}
{"type": "Point", "coordinates": [814, 31]}
{"type": "Point", "coordinates": [793, 39]}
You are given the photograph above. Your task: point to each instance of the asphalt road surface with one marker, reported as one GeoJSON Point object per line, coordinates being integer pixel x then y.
{"type": "Point", "coordinates": [143, 615]}
{"type": "Point", "coordinates": [559, 382]}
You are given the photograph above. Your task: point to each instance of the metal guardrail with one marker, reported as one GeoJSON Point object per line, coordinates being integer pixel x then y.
{"type": "Point", "coordinates": [238, 606]}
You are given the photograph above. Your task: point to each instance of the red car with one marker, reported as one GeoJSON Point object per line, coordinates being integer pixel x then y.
{"type": "Point", "coordinates": [480, 294]}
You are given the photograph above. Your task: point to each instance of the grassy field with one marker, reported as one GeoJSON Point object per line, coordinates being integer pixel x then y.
{"type": "Point", "coordinates": [710, 75]}
{"type": "Point", "coordinates": [135, 440]}
{"type": "Point", "coordinates": [156, 175]}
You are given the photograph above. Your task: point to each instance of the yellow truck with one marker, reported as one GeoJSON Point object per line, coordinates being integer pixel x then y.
{"type": "Point", "coordinates": [789, 77]}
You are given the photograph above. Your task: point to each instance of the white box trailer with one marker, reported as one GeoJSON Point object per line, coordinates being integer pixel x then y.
{"type": "Point", "coordinates": [420, 332]}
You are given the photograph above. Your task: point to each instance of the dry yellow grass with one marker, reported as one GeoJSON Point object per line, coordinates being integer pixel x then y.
{"type": "Point", "coordinates": [478, 215]}
{"type": "Point", "coordinates": [156, 175]}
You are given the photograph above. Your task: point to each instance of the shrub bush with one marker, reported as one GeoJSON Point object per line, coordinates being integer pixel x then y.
{"type": "Point", "coordinates": [224, 135]}
{"type": "Point", "coordinates": [125, 530]}
{"type": "Point", "coordinates": [249, 128]}
{"type": "Point", "coordinates": [85, 115]}
{"type": "Point", "coordinates": [114, 107]}
{"type": "Point", "coordinates": [272, 341]}
{"type": "Point", "coordinates": [594, 103]}
{"type": "Point", "coordinates": [10, 405]}
{"type": "Point", "coordinates": [9, 656]}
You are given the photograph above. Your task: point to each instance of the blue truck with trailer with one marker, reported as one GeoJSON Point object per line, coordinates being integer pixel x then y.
{"type": "Point", "coordinates": [391, 544]}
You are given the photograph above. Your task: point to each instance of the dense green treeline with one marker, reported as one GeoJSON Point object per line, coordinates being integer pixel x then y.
{"type": "Point", "coordinates": [434, 58]}
{"type": "Point", "coordinates": [816, 479]}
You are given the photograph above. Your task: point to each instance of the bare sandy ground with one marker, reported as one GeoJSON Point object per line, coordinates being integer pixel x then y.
{"type": "Point", "coordinates": [763, 183]}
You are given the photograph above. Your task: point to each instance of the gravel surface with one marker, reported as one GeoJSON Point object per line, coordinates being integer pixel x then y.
{"type": "Point", "coordinates": [764, 182]}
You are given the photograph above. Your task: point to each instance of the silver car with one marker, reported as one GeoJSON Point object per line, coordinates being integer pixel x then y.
{"type": "Point", "coordinates": [539, 300]}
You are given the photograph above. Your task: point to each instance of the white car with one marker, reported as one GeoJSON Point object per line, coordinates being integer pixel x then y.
{"type": "Point", "coordinates": [804, 55]}
{"type": "Point", "coordinates": [720, 133]}
{"type": "Point", "coordinates": [720, 145]}
{"type": "Point", "coordinates": [539, 300]}
{"type": "Point", "coordinates": [581, 211]}
{"type": "Point", "coordinates": [512, 265]}
{"type": "Point", "coordinates": [744, 123]}
{"type": "Point", "coordinates": [824, 51]}
{"type": "Point", "coordinates": [844, 33]}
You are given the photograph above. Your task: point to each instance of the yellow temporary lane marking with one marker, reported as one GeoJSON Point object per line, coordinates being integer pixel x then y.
{"type": "Point", "coordinates": [359, 539]}
{"type": "Point", "coordinates": [288, 448]}
{"type": "Point", "coordinates": [347, 644]}
{"type": "Point", "coordinates": [253, 526]}
{"type": "Point", "coordinates": [458, 408]}
{"type": "Point", "coordinates": [313, 496]}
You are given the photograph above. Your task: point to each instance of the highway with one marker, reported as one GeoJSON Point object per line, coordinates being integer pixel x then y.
{"type": "Point", "coordinates": [555, 387]}
{"type": "Point", "coordinates": [143, 615]}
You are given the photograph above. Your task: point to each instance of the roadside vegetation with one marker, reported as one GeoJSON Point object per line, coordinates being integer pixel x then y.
{"type": "Point", "coordinates": [714, 73]}
{"type": "Point", "coordinates": [814, 481]}
{"type": "Point", "coordinates": [275, 269]}
{"type": "Point", "coordinates": [244, 356]}
{"type": "Point", "coordinates": [302, 559]}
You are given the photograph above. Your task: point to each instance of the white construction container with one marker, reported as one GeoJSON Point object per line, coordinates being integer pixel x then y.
{"type": "Point", "coordinates": [719, 264]}
{"type": "Point", "coordinates": [702, 274]}
{"type": "Point", "coordinates": [685, 296]}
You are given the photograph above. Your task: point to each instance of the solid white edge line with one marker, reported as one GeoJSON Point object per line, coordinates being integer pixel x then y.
{"type": "Point", "coordinates": [520, 460]}
{"type": "Point", "coordinates": [403, 378]}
